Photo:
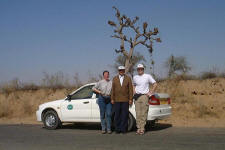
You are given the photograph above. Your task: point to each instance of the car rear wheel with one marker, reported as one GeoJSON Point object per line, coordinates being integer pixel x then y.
{"type": "Point", "coordinates": [51, 120]}
{"type": "Point", "coordinates": [131, 122]}
{"type": "Point", "coordinates": [150, 124]}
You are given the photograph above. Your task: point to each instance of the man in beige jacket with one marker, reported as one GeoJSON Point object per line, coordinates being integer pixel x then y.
{"type": "Point", "coordinates": [121, 97]}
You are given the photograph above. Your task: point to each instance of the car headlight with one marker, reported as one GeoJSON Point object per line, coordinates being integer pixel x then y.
{"type": "Point", "coordinates": [40, 107]}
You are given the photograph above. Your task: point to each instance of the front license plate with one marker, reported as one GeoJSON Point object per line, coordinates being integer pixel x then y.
{"type": "Point", "coordinates": [163, 102]}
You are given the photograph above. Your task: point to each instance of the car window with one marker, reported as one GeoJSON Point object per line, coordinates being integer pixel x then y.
{"type": "Point", "coordinates": [83, 93]}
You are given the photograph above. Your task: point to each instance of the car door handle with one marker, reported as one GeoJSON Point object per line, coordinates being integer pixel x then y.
{"type": "Point", "coordinates": [85, 102]}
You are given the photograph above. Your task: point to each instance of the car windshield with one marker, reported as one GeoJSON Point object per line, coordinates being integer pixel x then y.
{"type": "Point", "coordinates": [84, 93]}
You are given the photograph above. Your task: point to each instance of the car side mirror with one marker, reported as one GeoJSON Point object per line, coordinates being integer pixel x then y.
{"type": "Point", "coordinates": [68, 97]}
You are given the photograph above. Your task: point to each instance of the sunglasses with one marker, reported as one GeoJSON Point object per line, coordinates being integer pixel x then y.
{"type": "Point", "coordinates": [140, 68]}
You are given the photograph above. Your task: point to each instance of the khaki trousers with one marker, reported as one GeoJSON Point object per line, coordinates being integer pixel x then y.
{"type": "Point", "coordinates": [141, 108]}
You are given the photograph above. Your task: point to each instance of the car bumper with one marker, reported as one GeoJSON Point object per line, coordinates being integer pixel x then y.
{"type": "Point", "coordinates": [156, 113]}
{"type": "Point", "coordinates": [38, 115]}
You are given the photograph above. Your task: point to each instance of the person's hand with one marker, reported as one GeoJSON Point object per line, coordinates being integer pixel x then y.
{"type": "Point", "coordinates": [130, 102]}
{"type": "Point", "coordinates": [112, 101]}
{"type": "Point", "coordinates": [150, 94]}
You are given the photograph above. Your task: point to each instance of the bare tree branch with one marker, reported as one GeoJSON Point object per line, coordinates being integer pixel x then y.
{"type": "Point", "coordinates": [140, 37]}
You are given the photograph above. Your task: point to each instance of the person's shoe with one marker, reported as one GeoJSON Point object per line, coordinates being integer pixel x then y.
{"type": "Point", "coordinates": [138, 132]}
{"type": "Point", "coordinates": [117, 132]}
{"type": "Point", "coordinates": [103, 132]}
{"type": "Point", "coordinates": [109, 132]}
{"type": "Point", "coordinates": [123, 132]}
{"type": "Point", "coordinates": [142, 132]}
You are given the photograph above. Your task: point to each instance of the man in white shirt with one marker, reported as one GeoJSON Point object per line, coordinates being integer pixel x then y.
{"type": "Point", "coordinates": [142, 92]}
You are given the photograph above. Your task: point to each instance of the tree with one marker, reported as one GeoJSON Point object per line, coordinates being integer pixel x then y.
{"type": "Point", "coordinates": [57, 80]}
{"type": "Point", "coordinates": [77, 80]}
{"type": "Point", "coordinates": [137, 58]}
{"type": "Point", "coordinates": [146, 37]}
{"type": "Point", "coordinates": [93, 78]}
{"type": "Point", "coordinates": [177, 64]}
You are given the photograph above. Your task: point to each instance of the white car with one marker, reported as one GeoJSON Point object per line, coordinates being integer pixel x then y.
{"type": "Point", "coordinates": [82, 106]}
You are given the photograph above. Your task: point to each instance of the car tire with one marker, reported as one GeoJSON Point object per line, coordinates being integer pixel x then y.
{"type": "Point", "coordinates": [51, 120]}
{"type": "Point", "coordinates": [150, 124]}
{"type": "Point", "coordinates": [131, 122]}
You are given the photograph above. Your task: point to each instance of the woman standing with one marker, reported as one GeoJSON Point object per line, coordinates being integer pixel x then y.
{"type": "Point", "coordinates": [103, 88]}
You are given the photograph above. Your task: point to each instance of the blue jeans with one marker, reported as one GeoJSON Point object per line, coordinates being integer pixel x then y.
{"type": "Point", "coordinates": [105, 113]}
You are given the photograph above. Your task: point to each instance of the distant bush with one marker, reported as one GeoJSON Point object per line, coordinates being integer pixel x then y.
{"type": "Point", "coordinates": [181, 77]}
{"type": "Point", "coordinates": [208, 75]}
{"type": "Point", "coordinates": [212, 73]}
{"type": "Point", "coordinates": [186, 77]}
{"type": "Point", "coordinates": [204, 75]}
{"type": "Point", "coordinates": [160, 79]}
{"type": "Point", "coordinates": [10, 86]}
{"type": "Point", "coordinates": [16, 85]}
{"type": "Point", "coordinates": [54, 81]}
{"type": "Point", "coordinates": [30, 86]}
{"type": "Point", "coordinates": [177, 65]}
{"type": "Point", "coordinates": [222, 75]}
{"type": "Point", "coordinates": [59, 81]}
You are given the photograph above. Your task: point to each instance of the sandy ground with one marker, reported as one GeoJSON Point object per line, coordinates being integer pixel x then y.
{"type": "Point", "coordinates": [195, 103]}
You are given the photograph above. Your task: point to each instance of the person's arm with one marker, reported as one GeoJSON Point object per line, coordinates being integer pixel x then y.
{"type": "Point", "coordinates": [95, 88]}
{"type": "Point", "coordinates": [134, 89]}
{"type": "Point", "coordinates": [134, 86]}
{"type": "Point", "coordinates": [97, 91]}
{"type": "Point", "coordinates": [130, 92]}
{"type": "Point", "coordinates": [152, 91]}
{"type": "Point", "coordinates": [113, 92]}
{"type": "Point", "coordinates": [154, 86]}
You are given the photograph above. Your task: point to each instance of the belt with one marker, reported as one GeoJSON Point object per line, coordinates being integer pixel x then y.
{"type": "Point", "coordinates": [106, 95]}
{"type": "Point", "coordinates": [136, 96]}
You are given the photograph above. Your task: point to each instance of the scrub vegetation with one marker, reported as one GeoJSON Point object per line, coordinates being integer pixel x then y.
{"type": "Point", "coordinates": [196, 100]}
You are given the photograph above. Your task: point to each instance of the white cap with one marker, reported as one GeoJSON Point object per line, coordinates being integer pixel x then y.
{"type": "Point", "coordinates": [140, 66]}
{"type": "Point", "coordinates": [121, 68]}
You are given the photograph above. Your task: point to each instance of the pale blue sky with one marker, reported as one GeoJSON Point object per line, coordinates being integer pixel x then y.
{"type": "Point", "coordinates": [73, 36]}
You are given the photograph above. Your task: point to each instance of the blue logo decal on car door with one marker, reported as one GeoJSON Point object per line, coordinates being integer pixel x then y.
{"type": "Point", "coordinates": [70, 107]}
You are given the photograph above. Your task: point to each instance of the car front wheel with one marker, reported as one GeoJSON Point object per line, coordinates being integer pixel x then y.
{"type": "Point", "coordinates": [51, 120]}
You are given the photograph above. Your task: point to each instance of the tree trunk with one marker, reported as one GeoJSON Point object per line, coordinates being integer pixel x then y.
{"type": "Point", "coordinates": [127, 65]}
{"type": "Point", "coordinates": [128, 60]}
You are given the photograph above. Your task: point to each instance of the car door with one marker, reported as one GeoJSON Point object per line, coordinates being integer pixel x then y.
{"type": "Point", "coordinates": [95, 108]}
{"type": "Point", "coordinates": [79, 107]}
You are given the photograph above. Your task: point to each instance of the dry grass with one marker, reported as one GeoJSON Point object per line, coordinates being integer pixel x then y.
{"type": "Point", "coordinates": [194, 102]}
{"type": "Point", "coordinates": [25, 103]}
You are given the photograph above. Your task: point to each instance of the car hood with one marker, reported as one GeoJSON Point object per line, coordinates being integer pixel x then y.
{"type": "Point", "coordinates": [52, 103]}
